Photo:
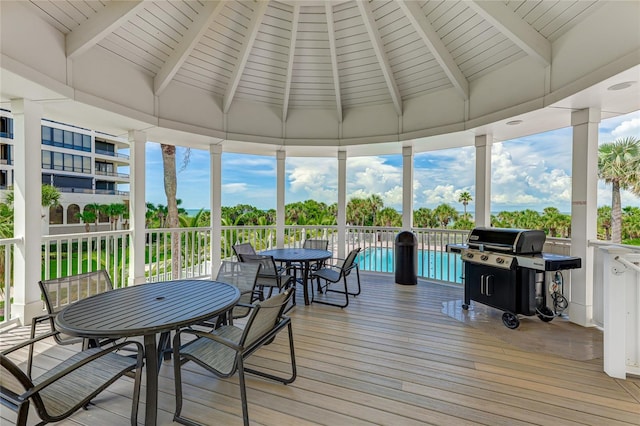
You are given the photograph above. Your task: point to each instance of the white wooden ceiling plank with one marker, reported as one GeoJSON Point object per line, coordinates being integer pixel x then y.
{"type": "Point", "coordinates": [129, 30]}
{"type": "Point", "coordinates": [258, 96]}
{"type": "Point", "coordinates": [406, 46]}
{"type": "Point", "coordinates": [313, 56]}
{"type": "Point", "coordinates": [460, 23]}
{"type": "Point", "coordinates": [370, 24]}
{"type": "Point", "coordinates": [437, 48]}
{"type": "Point", "coordinates": [362, 37]}
{"type": "Point", "coordinates": [73, 12]}
{"type": "Point", "coordinates": [364, 64]}
{"type": "Point", "coordinates": [312, 27]}
{"type": "Point", "coordinates": [552, 14]}
{"type": "Point", "coordinates": [210, 62]}
{"type": "Point", "coordinates": [310, 35]}
{"type": "Point", "coordinates": [88, 8]}
{"type": "Point", "coordinates": [188, 42]}
{"type": "Point", "coordinates": [272, 34]}
{"type": "Point", "coordinates": [313, 44]}
{"type": "Point", "coordinates": [417, 63]}
{"type": "Point", "coordinates": [494, 56]}
{"type": "Point", "coordinates": [259, 71]}
{"type": "Point", "coordinates": [59, 20]}
{"type": "Point", "coordinates": [277, 52]}
{"type": "Point", "coordinates": [131, 43]}
{"type": "Point", "coordinates": [579, 9]}
{"type": "Point", "coordinates": [446, 14]}
{"type": "Point", "coordinates": [514, 28]}
{"type": "Point", "coordinates": [364, 83]}
{"type": "Point", "coordinates": [215, 54]}
{"type": "Point", "coordinates": [150, 34]}
{"type": "Point", "coordinates": [355, 50]}
{"type": "Point", "coordinates": [458, 36]}
{"type": "Point", "coordinates": [553, 29]}
{"type": "Point", "coordinates": [201, 69]}
{"type": "Point", "coordinates": [266, 64]}
{"type": "Point", "coordinates": [230, 22]}
{"type": "Point", "coordinates": [150, 13]}
{"type": "Point", "coordinates": [476, 50]}
{"type": "Point", "coordinates": [170, 16]}
{"type": "Point", "coordinates": [537, 11]}
{"type": "Point", "coordinates": [100, 25]}
{"type": "Point", "coordinates": [247, 43]}
{"type": "Point", "coordinates": [404, 31]}
{"type": "Point", "coordinates": [272, 90]}
{"type": "Point", "coordinates": [224, 42]}
{"type": "Point", "coordinates": [127, 54]}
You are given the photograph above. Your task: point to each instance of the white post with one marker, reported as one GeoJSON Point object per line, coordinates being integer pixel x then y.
{"type": "Point", "coordinates": [138, 206]}
{"type": "Point", "coordinates": [215, 152]}
{"type": "Point", "coordinates": [27, 203]}
{"type": "Point", "coordinates": [621, 312]}
{"type": "Point", "coordinates": [342, 204]}
{"type": "Point", "coordinates": [584, 212]}
{"type": "Point", "coordinates": [483, 180]}
{"type": "Point", "coordinates": [281, 157]}
{"type": "Point", "coordinates": [407, 188]}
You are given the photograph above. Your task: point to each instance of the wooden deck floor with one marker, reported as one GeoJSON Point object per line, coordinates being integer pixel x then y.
{"type": "Point", "coordinates": [393, 357]}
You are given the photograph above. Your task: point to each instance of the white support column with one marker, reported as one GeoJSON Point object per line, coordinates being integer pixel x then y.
{"type": "Point", "coordinates": [215, 153]}
{"type": "Point", "coordinates": [138, 206]}
{"type": "Point", "coordinates": [584, 212]}
{"type": "Point", "coordinates": [483, 180]}
{"type": "Point", "coordinates": [281, 157]}
{"type": "Point", "coordinates": [407, 188]}
{"type": "Point", "coordinates": [27, 203]}
{"type": "Point", "coordinates": [342, 204]}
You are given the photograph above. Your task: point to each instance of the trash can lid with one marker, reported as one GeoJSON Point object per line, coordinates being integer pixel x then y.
{"type": "Point", "coordinates": [406, 237]}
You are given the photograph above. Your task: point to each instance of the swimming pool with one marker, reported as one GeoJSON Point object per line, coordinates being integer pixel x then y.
{"type": "Point", "coordinates": [435, 265]}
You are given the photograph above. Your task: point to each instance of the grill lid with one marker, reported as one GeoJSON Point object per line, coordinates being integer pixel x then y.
{"type": "Point", "coordinates": [515, 241]}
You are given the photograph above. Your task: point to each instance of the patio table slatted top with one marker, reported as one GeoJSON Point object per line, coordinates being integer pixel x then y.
{"type": "Point", "coordinates": [147, 308]}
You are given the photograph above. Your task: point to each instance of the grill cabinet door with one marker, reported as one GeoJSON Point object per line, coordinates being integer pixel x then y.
{"type": "Point", "coordinates": [490, 286]}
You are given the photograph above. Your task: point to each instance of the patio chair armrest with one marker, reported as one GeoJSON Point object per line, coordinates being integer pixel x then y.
{"type": "Point", "coordinates": [205, 335]}
{"type": "Point", "coordinates": [29, 342]}
{"type": "Point", "coordinates": [91, 355]}
{"type": "Point", "coordinates": [37, 320]}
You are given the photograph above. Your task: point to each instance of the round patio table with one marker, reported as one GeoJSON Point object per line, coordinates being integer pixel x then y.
{"type": "Point", "coordinates": [299, 255]}
{"type": "Point", "coordinates": [147, 310]}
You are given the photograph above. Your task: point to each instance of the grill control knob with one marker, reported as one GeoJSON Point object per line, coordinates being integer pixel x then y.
{"type": "Point", "coordinates": [470, 255]}
{"type": "Point", "coordinates": [500, 260]}
{"type": "Point", "coordinates": [484, 257]}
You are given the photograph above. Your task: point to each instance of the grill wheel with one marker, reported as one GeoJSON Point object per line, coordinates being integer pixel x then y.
{"type": "Point", "coordinates": [510, 320]}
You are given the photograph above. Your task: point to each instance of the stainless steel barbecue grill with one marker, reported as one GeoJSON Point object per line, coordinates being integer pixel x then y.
{"type": "Point", "coordinates": [505, 269]}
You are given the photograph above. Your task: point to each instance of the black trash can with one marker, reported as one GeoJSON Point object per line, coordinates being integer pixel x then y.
{"type": "Point", "coordinates": [406, 258]}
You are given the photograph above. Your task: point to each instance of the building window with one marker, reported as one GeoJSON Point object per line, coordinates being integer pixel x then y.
{"type": "Point", "coordinates": [6, 127]}
{"type": "Point", "coordinates": [72, 214]}
{"type": "Point", "coordinates": [55, 215]}
{"type": "Point", "coordinates": [47, 137]}
{"type": "Point", "coordinates": [68, 139]}
{"type": "Point", "coordinates": [58, 137]}
{"type": "Point", "coordinates": [86, 143]}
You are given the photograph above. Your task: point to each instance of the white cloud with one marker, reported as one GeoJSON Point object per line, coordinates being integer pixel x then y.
{"type": "Point", "coordinates": [627, 128]}
{"type": "Point", "coordinates": [234, 188]}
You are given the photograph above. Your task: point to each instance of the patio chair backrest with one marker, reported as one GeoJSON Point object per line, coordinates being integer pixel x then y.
{"type": "Point", "coordinates": [316, 244]}
{"type": "Point", "coordinates": [243, 248]}
{"type": "Point", "coordinates": [268, 264]}
{"type": "Point", "coordinates": [350, 261]}
{"type": "Point", "coordinates": [265, 316]}
{"type": "Point", "coordinates": [242, 275]}
{"type": "Point", "coordinates": [61, 292]}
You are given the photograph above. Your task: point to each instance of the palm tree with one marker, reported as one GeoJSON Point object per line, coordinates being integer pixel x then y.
{"type": "Point", "coordinates": [95, 208]}
{"type": "Point", "coordinates": [87, 217]}
{"type": "Point", "coordinates": [619, 165]}
{"type": "Point", "coordinates": [445, 213]}
{"type": "Point", "coordinates": [465, 199]}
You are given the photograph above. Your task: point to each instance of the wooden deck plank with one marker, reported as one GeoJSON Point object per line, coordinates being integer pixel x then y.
{"type": "Point", "coordinates": [393, 356]}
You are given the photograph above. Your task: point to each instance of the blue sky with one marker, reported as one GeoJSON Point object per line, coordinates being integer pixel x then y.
{"type": "Point", "coordinates": [527, 173]}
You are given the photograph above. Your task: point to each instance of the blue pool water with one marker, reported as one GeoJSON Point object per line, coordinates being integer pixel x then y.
{"type": "Point", "coordinates": [431, 264]}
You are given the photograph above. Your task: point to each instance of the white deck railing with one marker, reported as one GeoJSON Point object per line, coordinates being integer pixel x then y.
{"type": "Point", "coordinates": [7, 248]}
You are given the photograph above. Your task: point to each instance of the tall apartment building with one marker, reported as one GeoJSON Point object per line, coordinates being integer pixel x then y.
{"type": "Point", "coordinates": [87, 167]}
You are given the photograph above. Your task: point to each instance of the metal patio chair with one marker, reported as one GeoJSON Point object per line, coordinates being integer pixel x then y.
{"type": "Point", "coordinates": [333, 273]}
{"type": "Point", "coordinates": [58, 293]}
{"type": "Point", "coordinates": [72, 384]}
{"type": "Point", "coordinates": [243, 248]}
{"type": "Point", "coordinates": [270, 276]}
{"type": "Point", "coordinates": [244, 276]}
{"type": "Point", "coordinates": [224, 350]}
